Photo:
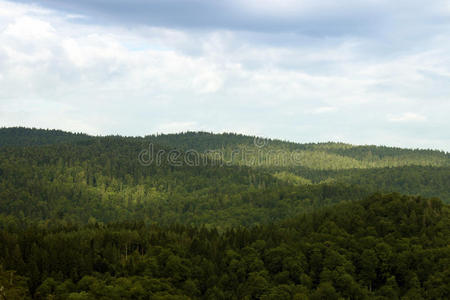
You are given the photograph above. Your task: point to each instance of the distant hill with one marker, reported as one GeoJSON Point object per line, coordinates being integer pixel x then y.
{"type": "Point", "coordinates": [253, 151]}
{"type": "Point", "coordinates": [21, 136]}
{"type": "Point", "coordinates": [269, 152]}
{"type": "Point", "coordinates": [48, 174]}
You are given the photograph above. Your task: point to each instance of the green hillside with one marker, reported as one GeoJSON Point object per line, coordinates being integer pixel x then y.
{"type": "Point", "coordinates": [268, 152]}
{"type": "Point", "coordinates": [101, 178]}
{"type": "Point", "coordinates": [21, 136]}
{"type": "Point", "coordinates": [174, 217]}
{"type": "Point", "coordinates": [253, 151]}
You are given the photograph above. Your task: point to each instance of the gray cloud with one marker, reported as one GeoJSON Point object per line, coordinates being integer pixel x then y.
{"type": "Point", "coordinates": [318, 18]}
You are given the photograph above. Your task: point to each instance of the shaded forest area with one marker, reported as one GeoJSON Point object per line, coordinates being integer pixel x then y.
{"type": "Point", "coordinates": [384, 247]}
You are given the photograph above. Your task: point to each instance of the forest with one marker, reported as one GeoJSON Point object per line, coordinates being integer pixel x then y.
{"type": "Point", "coordinates": [82, 217]}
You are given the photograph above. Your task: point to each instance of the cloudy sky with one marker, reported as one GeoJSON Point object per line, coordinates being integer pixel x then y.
{"type": "Point", "coordinates": [357, 71]}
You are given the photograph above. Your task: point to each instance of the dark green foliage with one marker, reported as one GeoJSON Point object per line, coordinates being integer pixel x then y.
{"type": "Point", "coordinates": [20, 136]}
{"type": "Point", "coordinates": [384, 247]}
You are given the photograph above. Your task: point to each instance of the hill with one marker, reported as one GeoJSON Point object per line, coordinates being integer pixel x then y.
{"type": "Point", "coordinates": [215, 216]}
{"type": "Point", "coordinates": [252, 150]}
{"type": "Point", "coordinates": [53, 175]}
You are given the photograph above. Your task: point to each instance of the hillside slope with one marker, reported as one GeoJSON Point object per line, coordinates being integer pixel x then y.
{"type": "Point", "coordinates": [249, 150]}
{"type": "Point", "coordinates": [53, 175]}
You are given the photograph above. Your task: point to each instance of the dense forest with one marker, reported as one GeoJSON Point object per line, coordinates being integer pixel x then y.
{"type": "Point", "coordinates": [219, 216]}
{"type": "Point", "coordinates": [384, 247]}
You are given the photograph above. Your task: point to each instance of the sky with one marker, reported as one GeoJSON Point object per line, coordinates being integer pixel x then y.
{"type": "Point", "coordinates": [355, 71]}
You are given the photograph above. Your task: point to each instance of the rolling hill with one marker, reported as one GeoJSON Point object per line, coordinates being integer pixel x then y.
{"type": "Point", "coordinates": [219, 216]}
{"type": "Point", "coordinates": [49, 174]}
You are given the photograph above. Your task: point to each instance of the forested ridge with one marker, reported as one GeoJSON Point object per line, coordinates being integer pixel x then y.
{"type": "Point", "coordinates": [82, 217]}
{"type": "Point", "coordinates": [326, 156]}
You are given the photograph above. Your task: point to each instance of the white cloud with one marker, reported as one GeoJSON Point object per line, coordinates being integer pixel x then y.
{"type": "Point", "coordinates": [407, 117]}
{"type": "Point", "coordinates": [28, 28]}
{"type": "Point", "coordinates": [55, 72]}
{"type": "Point", "coordinates": [323, 109]}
